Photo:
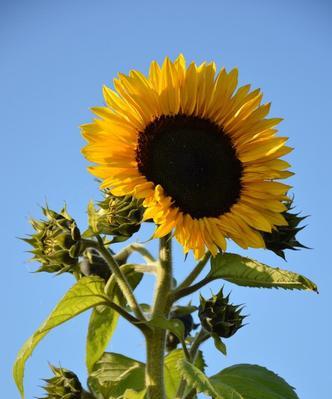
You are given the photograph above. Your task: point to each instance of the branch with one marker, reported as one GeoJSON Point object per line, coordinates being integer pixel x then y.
{"type": "Point", "coordinates": [194, 273]}
{"type": "Point", "coordinates": [127, 251]}
{"type": "Point", "coordinates": [201, 337]}
{"type": "Point", "coordinates": [177, 294]}
{"type": "Point", "coordinates": [119, 276]}
{"type": "Point", "coordinates": [127, 267]}
{"type": "Point", "coordinates": [126, 315]}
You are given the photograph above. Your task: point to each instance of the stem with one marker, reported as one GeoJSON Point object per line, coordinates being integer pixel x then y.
{"type": "Point", "coordinates": [199, 339]}
{"type": "Point", "coordinates": [135, 247]}
{"type": "Point", "coordinates": [124, 313]}
{"type": "Point", "coordinates": [177, 294]}
{"type": "Point", "coordinates": [195, 272]}
{"type": "Point", "coordinates": [120, 277]}
{"type": "Point", "coordinates": [155, 339]}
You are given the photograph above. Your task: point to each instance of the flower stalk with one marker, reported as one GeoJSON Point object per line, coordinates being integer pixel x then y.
{"type": "Point", "coordinates": [156, 338]}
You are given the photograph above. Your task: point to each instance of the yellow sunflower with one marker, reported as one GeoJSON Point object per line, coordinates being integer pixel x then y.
{"type": "Point", "coordinates": [199, 151]}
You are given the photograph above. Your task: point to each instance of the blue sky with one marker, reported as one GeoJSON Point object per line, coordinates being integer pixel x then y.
{"type": "Point", "coordinates": [55, 57]}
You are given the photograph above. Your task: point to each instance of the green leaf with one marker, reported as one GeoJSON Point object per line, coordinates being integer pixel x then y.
{"type": "Point", "coordinates": [251, 273]}
{"type": "Point", "coordinates": [85, 294]}
{"type": "Point", "coordinates": [102, 325]}
{"type": "Point", "coordinates": [172, 376]}
{"type": "Point", "coordinates": [114, 373]}
{"type": "Point", "coordinates": [93, 217]}
{"type": "Point", "coordinates": [131, 394]}
{"type": "Point", "coordinates": [253, 382]}
{"type": "Point", "coordinates": [219, 344]}
{"type": "Point", "coordinates": [174, 325]}
{"type": "Point", "coordinates": [103, 322]}
{"type": "Point", "coordinates": [196, 379]}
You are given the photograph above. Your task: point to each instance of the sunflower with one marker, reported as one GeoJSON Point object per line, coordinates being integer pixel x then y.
{"type": "Point", "coordinates": [199, 151]}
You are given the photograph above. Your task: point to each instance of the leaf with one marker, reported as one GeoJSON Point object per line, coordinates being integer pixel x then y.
{"type": "Point", "coordinates": [102, 325]}
{"type": "Point", "coordinates": [174, 325]}
{"type": "Point", "coordinates": [114, 373]}
{"type": "Point", "coordinates": [103, 322]}
{"type": "Point", "coordinates": [85, 294]}
{"type": "Point", "coordinates": [131, 394]}
{"type": "Point", "coordinates": [195, 378]}
{"type": "Point", "coordinates": [172, 376]}
{"type": "Point", "coordinates": [219, 344]}
{"type": "Point", "coordinates": [251, 273]}
{"type": "Point", "coordinates": [253, 382]}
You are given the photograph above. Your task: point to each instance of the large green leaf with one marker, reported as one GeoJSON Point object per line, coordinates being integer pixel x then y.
{"type": "Point", "coordinates": [114, 373]}
{"type": "Point", "coordinates": [102, 325]}
{"type": "Point", "coordinates": [196, 379]}
{"type": "Point", "coordinates": [85, 294]}
{"type": "Point", "coordinates": [251, 273]}
{"type": "Point", "coordinates": [131, 394]}
{"type": "Point", "coordinates": [103, 321]}
{"type": "Point", "coordinates": [172, 376]}
{"type": "Point", "coordinates": [253, 382]}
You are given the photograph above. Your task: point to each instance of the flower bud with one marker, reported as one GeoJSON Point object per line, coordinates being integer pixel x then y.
{"type": "Point", "coordinates": [219, 317]}
{"type": "Point", "coordinates": [92, 264]}
{"type": "Point", "coordinates": [181, 313]}
{"type": "Point", "coordinates": [117, 216]}
{"type": "Point", "coordinates": [64, 385]}
{"type": "Point", "coordinates": [284, 237]}
{"type": "Point", "coordinates": [56, 242]}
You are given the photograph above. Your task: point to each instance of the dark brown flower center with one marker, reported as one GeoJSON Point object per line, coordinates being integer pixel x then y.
{"type": "Point", "coordinates": [194, 161]}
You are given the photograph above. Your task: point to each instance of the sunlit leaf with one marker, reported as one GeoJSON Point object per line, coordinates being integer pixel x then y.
{"type": "Point", "coordinates": [85, 294]}
{"type": "Point", "coordinates": [103, 322]}
{"type": "Point", "coordinates": [251, 273]}
{"type": "Point", "coordinates": [253, 382]}
{"type": "Point", "coordinates": [114, 373]}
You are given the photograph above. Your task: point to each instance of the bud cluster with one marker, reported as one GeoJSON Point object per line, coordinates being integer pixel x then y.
{"type": "Point", "coordinates": [219, 317]}
{"type": "Point", "coordinates": [284, 237]}
{"type": "Point", "coordinates": [56, 242]}
{"type": "Point", "coordinates": [117, 216]}
{"type": "Point", "coordinates": [64, 385]}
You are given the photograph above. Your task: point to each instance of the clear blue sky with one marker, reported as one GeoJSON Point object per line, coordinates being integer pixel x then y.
{"type": "Point", "coordinates": [55, 57]}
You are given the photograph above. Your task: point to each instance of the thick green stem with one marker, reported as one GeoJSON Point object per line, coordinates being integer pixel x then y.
{"type": "Point", "coordinates": [155, 339]}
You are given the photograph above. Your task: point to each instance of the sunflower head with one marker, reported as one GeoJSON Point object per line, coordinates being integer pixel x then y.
{"type": "Point", "coordinates": [64, 385]}
{"type": "Point", "coordinates": [284, 237]}
{"type": "Point", "coordinates": [199, 152]}
{"type": "Point", "coordinates": [120, 217]}
{"type": "Point", "coordinates": [219, 317]}
{"type": "Point", "coordinates": [56, 242]}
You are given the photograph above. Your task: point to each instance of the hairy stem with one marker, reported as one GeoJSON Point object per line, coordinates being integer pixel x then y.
{"type": "Point", "coordinates": [135, 247]}
{"type": "Point", "coordinates": [199, 339]}
{"type": "Point", "coordinates": [124, 313]}
{"type": "Point", "coordinates": [155, 339]}
{"type": "Point", "coordinates": [177, 294]}
{"type": "Point", "coordinates": [119, 276]}
{"type": "Point", "coordinates": [195, 272]}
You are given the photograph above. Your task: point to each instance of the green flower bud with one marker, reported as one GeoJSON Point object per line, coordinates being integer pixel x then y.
{"type": "Point", "coordinates": [92, 264]}
{"type": "Point", "coordinates": [219, 317]}
{"type": "Point", "coordinates": [284, 237]}
{"type": "Point", "coordinates": [56, 242]}
{"type": "Point", "coordinates": [117, 216]}
{"type": "Point", "coordinates": [64, 385]}
{"type": "Point", "coordinates": [182, 313]}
